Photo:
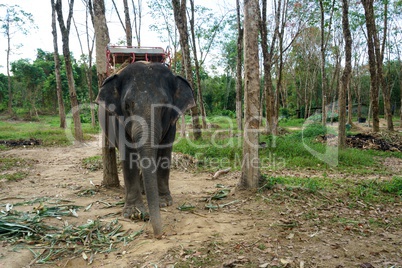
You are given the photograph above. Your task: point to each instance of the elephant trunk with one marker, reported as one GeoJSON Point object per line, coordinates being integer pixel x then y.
{"type": "Point", "coordinates": [145, 135]}
{"type": "Point", "coordinates": [149, 172]}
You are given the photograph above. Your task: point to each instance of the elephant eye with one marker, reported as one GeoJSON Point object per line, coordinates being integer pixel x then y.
{"type": "Point", "coordinates": [127, 106]}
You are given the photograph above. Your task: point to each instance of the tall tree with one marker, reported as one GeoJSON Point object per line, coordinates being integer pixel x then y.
{"type": "Point", "coordinates": [374, 82]}
{"type": "Point", "coordinates": [129, 31]}
{"type": "Point", "coordinates": [15, 21]}
{"type": "Point", "coordinates": [239, 80]}
{"type": "Point", "coordinates": [137, 10]}
{"type": "Point", "coordinates": [379, 51]}
{"type": "Point", "coordinates": [345, 80]}
{"type": "Point", "coordinates": [324, 42]}
{"type": "Point", "coordinates": [87, 61]}
{"type": "Point", "coordinates": [250, 165]}
{"type": "Point", "coordinates": [179, 8]}
{"type": "Point", "coordinates": [268, 54]}
{"type": "Point", "coordinates": [127, 22]}
{"type": "Point", "coordinates": [110, 177]}
{"type": "Point", "coordinates": [65, 33]}
{"type": "Point", "coordinates": [60, 101]}
{"type": "Point", "coordinates": [197, 65]}
{"type": "Point", "coordinates": [31, 77]}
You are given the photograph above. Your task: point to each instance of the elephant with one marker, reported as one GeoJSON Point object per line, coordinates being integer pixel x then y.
{"type": "Point", "coordinates": [140, 106]}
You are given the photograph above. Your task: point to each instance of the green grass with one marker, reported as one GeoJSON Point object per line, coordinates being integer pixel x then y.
{"type": "Point", "coordinates": [368, 191]}
{"type": "Point", "coordinates": [46, 129]}
{"type": "Point", "coordinates": [224, 149]}
{"type": "Point", "coordinates": [291, 122]}
{"type": "Point", "coordinates": [92, 163]}
{"type": "Point", "coordinates": [10, 168]}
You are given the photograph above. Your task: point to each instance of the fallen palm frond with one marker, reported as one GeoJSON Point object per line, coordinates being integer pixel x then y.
{"type": "Point", "coordinates": [221, 194]}
{"type": "Point", "coordinates": [16, 225]}
{"type": "Point", "coordinates": [87, 192]}
{"type": "Point", "coordinates": [95, 236]}
{"type": "Point", "coordinates": [186, 207]}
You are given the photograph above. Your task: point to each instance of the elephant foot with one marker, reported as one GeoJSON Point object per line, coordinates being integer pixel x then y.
{"type": "Point", "coordinates": [165, 200]}
{"type": "Point", "coordinates": [135, 213]}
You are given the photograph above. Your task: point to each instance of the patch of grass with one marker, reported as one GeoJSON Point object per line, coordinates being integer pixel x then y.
{"type": "Point", "coordinates": [347, 190]}
{"type": "Point", "coordinates": [46, 129]}
{"type": "Point", "coordinates": [217, 151]}
{"type": "Point", "coordinates": [14, 176]}
{"type": "Point", "coordinates": [291, 122]}
{"type": "Point", "coordinates": [374, 190]}
{"type": "Point", "coordinates": [310, 185]}
{"type": "Point", "coordinates": [10, 168]}
{"type": "Point", "coordinates": [93, 163]}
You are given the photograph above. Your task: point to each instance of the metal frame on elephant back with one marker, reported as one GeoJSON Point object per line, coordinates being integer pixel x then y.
{"type": "Point", "coordinates": [119, 57]}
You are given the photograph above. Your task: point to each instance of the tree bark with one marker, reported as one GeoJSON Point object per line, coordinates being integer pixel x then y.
{"type": "Point", "coordinates": [129, 32]}
{"type": "Point", "coordinates": [345, 75]}
{"type": "Point", "coordinates": [350, 105]}
{"type": "Point", "coordinates": [374, 82]}
{"type": "Point", "coordinates": [197, 68]}
{"type": "Point", "coordinates": [10, 92]}
{"type": "Point", "coordinates": [379, 50]}
{"type": "Point", "coordinates": [62, 113]}
{"type": "Point", "coordinates": [110, 177]}
{"type": "Point", "coordinates": [179, 8]}
{"type": "Point", "coordinates": [65, 32]}
{"type": "Point", "coordinates": [400, 91]}
{"type": "Point", "coordinates": [250, 165]}
{"type": "Point", "coordinates": [239, 80]}
{"type": "Point", "coordinates": [137, 20]}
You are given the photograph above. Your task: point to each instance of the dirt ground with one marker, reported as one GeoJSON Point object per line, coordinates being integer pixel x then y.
{"type": "Point", "coordinates": [267, 229]}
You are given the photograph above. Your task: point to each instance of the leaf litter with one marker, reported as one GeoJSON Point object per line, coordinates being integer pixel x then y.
{"type": "Point", "coordinates": [48, 242]}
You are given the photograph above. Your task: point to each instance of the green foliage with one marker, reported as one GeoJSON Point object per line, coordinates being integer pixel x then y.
{"type": "Point", "coordinates": [331, 117]}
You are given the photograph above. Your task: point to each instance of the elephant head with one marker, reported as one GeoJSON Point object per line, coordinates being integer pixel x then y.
{"type": "Point", "coordinates": [146, 100]}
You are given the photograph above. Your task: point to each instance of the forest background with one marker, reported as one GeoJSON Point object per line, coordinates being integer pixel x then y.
{"type": "Point", "coordinates": [304, 40]}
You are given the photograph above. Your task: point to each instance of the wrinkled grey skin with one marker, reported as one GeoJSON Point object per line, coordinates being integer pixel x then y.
{"type": "Point", "coordinates": [144, 133]}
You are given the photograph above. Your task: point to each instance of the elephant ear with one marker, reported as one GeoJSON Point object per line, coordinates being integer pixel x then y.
{"type": "Point", "coordinates": [183, 98]}
{"type": "Point", "coordinates": [109, 95]}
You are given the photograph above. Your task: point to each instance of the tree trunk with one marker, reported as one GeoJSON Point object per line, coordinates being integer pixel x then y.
{"type": "Point", "coordinates": [88, 65]}
{"type": "Point", "coordinates": [323, 72]}
{"type": "Point", "coordinates": [374, 82]}
{"type": "Point", "coordinates": [129, 32]}
{"type": "Point", "coordinates": [400, 91]}
{"type": "Point", "coordinates": [110, 177]}
{"type": "Point", "coordinates": [324, 41]}
{"type": "Point", "coordinates": [62, 113]}
{"type": "Point", "coordinates": [10, 92]}
{"type": "Point", "coordinates": [350, 105]}
{"type": "Point", "coordinates": [137, 20]}
{"type": "Point", "coordinates": [345, 75]}
{"type": "Point", "coordinates": [197, 68]}
{"type": "Point", "coordinates": [379, 49]}
{"type": "Point", "coordinates": [65, 32]}
{"type": "Point", "coordinates": [250, 165]}
{"type": "Point", "coordinates": [239, 81]}
{"type": "Point", "coordinates": [180, 16]}
{"type": "Point", "coordinates": [267, 63]}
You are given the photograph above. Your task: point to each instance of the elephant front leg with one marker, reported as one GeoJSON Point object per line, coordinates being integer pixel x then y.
{"type": "Point", "coordinates": [134, 206]}
{"type": "Point", "coordinates": [164, 160]}
{"type": "Point", "coordinates": [165, 199]}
